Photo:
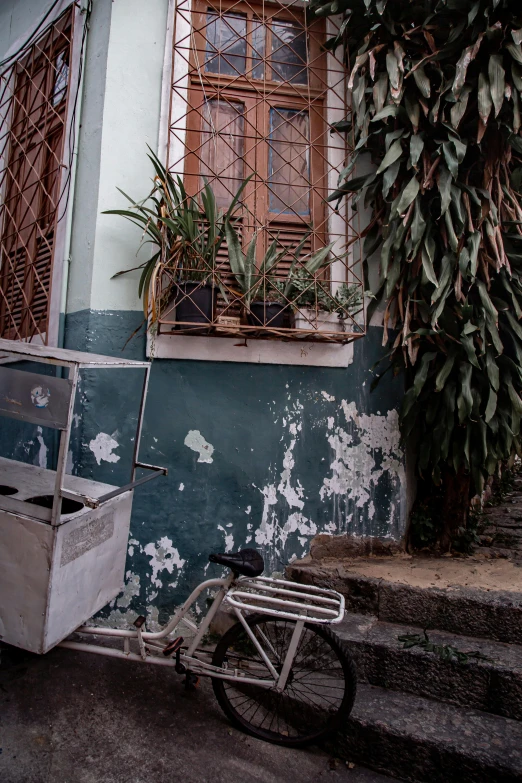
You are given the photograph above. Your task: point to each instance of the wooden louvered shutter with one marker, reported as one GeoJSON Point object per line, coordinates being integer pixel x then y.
{"type": "Point", "coordinates": [33, 98]}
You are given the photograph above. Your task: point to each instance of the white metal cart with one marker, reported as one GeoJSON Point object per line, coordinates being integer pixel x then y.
{"type": "Point", "coordinates": [63, 539]}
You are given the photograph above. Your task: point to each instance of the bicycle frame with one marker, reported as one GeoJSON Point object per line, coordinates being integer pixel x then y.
{"type": "Point", "coordinates": [271, 596]}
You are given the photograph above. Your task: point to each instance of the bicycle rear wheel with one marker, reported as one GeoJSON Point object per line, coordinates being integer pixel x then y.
{"type": "Point", "coordinates": [319, 693]}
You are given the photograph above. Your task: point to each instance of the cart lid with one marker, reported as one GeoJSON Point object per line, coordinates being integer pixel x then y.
{"type": "Point", "coordinates": [61, 356]}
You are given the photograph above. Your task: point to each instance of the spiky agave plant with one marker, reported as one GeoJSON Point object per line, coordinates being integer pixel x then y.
{"type": "Point", "coordinates": [186, 235]}
{"type": "Point", "coordinates": [256, 284]}
{"type": "Point", "coordinates": [436, 95]}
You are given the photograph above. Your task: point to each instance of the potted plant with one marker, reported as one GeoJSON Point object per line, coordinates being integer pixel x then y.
{"type": "Point", "coordinates": [188, 237]}
{"type": "Point", "coordinates": [267, 296]}
{"type": "Point", "coordinates": [316, 309]}
{"type": "Point", "coordinates": [260, 299]}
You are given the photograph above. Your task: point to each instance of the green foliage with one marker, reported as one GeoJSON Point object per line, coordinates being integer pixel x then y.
{"type": "Point", "coordinates": [427, 518]}
{"type": "Point", "coordinates": [503, 485]}
{"type": "Point", "coordinates": [446, 652]}
{"type": "Point", "coordinates": [265, 283]}
{"type": "Point", "coordinates": [436, 104]}
{"type": "Point", "coordinates": [467, 538]}
{"type": "Point", "coordinates": [244, 265]}
{"type": "Point", "coordinates": [347, 299]}
{"type": "Point", "coordinates": [186, 235]}
{"type": "Point", "coordinates": [425, 525]}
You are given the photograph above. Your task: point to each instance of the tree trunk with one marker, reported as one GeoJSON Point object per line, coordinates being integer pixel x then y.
{"type": "Point", "coordinates": [456, 505]}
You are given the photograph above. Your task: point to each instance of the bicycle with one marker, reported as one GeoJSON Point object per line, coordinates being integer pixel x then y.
{"type": "Point", "coordinates": [280, 673]}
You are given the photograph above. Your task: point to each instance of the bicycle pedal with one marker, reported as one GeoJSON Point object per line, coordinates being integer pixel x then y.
{"type": "Point", "coordinates": [139, 621]}
{"type": "Point", "coordinates": [173, 647]}
{"type": "Point", "coordinates": [191, 682]}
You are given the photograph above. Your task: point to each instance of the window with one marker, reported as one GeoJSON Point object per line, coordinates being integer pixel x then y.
{"type": "Point", "coordinates": [258, 109]}
{"type": "Point", "coordinates": [254, 94]}
{"type": "Point", "coordinates": [33, 107]}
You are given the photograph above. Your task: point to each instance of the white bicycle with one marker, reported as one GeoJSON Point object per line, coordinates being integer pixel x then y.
{"type": "Point", "coordinates": [279, 673]}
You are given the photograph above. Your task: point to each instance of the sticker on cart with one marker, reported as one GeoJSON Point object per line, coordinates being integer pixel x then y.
{"type": "Point", "coordinates": [86, 537]}
{"type": "Point", "coordinates": [40, 396]}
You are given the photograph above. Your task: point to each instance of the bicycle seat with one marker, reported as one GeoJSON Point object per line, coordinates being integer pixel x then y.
{"type": "Point", "coordinates": [247, 562]}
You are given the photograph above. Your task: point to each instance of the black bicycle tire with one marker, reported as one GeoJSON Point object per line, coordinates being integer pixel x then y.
{"type": "Point", "coordinates": [350, 678]}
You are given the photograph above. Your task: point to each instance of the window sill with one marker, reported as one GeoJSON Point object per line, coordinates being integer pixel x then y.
{"type": "Point", "coordinates": [255, 351]}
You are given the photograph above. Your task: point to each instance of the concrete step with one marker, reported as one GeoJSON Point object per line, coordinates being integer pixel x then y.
{"type": "Point", "coordinates": [493, 685]}
{"type": "Point", "coordinates": [425, 741]}
{"type": "Point", "coordinates": [488, 614]}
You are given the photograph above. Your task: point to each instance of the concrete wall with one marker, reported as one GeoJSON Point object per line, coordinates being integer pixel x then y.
{"type": "Point", "coordinates": [258, 455]}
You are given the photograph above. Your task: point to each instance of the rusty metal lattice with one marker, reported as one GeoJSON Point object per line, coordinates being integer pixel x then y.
{"type": "Point", "coordinates": [254, 94]}
{"type": "Point", "coordinates": [34, 93]}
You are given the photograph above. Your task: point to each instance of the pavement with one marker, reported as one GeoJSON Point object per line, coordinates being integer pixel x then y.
{"type": "Point", "coordinates": [71, 717]}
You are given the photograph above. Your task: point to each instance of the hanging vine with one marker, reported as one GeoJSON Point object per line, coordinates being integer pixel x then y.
{"type": "Point", "coordinates": [436, 105]}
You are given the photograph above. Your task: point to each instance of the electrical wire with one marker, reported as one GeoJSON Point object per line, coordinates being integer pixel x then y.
{"type": "Point", "coordinates": [72, 139]}
{"type": "Point", "coordinates": [71, 136]}
{"type": "Point", "coordinates": [27, 43]}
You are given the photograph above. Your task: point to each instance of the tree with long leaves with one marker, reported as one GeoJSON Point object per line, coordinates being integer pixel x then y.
{"type": "Point", "coordinates": [436, 88]}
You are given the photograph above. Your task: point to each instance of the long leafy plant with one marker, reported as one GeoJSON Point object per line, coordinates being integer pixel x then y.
{"type": "Point", "coordinates": [436, 91]}
{"type": "Point", "coordinates": [258, 284]}
{"type": "Point", "coordinates": [186, 235]}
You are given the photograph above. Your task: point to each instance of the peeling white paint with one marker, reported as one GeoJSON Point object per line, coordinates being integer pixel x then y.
{"type": "Point", "coordinates": [43, 450]}
{"type": "Point", "coordinates": [195, 441]}
{"type": "Point", "coordinates": [292, 494]}
{"type": "Point", "coordinates": [229, 539]}
{"type": "Point", "coordinates": [153, 623]}
{"type": "Point", "coordinates": [358, 451]}
{"type": "Point", "coordinates": [131, 588]}
{"type": "Point", "coordinates": [163, 557]}
{"type": "Point", "coordinates": [102, 447]}
{"type": "Point", "coordinates": [364, 449]}
{"type": "Point", "coordinates": [116, 619]}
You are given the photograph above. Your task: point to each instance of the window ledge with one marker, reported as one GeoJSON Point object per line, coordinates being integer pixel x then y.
{"type": "Point", "coordinates": [255, 351]}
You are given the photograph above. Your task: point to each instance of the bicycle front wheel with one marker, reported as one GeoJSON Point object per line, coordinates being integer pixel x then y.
{"type": "Point", "coordinates": [319, 692]}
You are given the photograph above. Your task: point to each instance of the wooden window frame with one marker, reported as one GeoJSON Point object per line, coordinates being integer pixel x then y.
{"type": "Point", "coordinates": [326, 98]}
{"type": "Point", "coordinates": [259, 96]}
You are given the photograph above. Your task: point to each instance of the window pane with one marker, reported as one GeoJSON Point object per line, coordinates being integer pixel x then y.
{"type": "Point", "coordinates": [61, 77]}
{"type": "Point", "coordinates": [289, 53]}
{"type": "Point", "coordinates": [289, 162]}
{"type": "Point", "coordinates": [222, 148]}
{"type": "Point", "coordinates": [258, 49]}
{"type": "Point", "coordinates": [226, 44]}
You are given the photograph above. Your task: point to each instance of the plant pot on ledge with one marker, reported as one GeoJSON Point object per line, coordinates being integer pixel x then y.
{"type": "Point", "coordinates": [195, 303]}
{"type": "Point", "coordinates": [271, 315]}
{"type": "Point", "coordinates": [311, 320]}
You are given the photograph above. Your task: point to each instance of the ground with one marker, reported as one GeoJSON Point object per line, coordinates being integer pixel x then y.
{"type": "Point", "coordinates": [70, 717]}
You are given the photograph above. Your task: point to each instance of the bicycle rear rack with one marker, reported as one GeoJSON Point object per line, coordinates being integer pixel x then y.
{"type": "Point", "coordinates": [289, 600]}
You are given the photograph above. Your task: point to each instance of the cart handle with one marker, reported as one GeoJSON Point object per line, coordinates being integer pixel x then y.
{"type": "Point", "coordinates": [95, 502]}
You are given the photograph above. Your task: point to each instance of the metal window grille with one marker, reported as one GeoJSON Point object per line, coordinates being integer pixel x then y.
{"type": "Point", "coordinates": [34, 92]}
{"type": "Point", "coordinates": [254, 93]}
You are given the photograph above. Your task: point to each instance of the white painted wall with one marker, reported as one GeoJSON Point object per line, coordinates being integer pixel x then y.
{"type": "Point", "coordinates": [18, 17]}
{"type": "Point", "coordinates": [127, 122]}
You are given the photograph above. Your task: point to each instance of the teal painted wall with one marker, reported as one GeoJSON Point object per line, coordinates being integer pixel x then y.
{"type": "Point", "coordinates": [290, 458]}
